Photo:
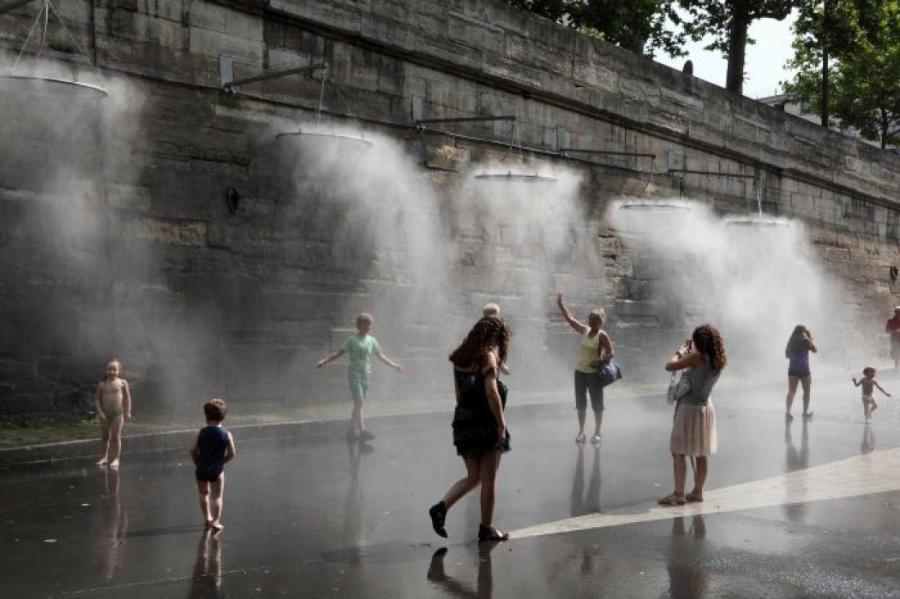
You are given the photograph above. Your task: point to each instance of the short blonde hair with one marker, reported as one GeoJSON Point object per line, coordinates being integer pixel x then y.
{"type": "Point", "coordinates": [598, 312]}
{"type": "Point", "coordinates": [365, 317]}
{"type": "Point", "coordinates": [491, 309]}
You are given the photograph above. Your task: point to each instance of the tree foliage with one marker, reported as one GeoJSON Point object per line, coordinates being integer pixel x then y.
{"type": "Point", "coordinates": [863, 37]}
{"type": "Point", "coordinates": [638, 25]}
{"type": "Point", "coordinates": [728, 22]}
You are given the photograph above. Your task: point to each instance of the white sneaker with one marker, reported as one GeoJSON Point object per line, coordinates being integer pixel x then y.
{"type": "Point", "coordinates": [595, 440]}
{"type": "Point", "coordinates": [580, 438]}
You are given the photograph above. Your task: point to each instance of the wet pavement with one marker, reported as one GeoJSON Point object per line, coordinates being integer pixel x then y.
{"type": "Point", "coordinates": [314, 516]}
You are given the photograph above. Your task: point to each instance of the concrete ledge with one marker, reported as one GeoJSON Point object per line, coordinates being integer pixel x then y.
{"type": "Point", "coordinates": [85, 450]}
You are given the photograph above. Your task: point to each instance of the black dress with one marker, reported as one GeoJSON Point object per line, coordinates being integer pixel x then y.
{"type": "Point", "coordinates": [474, 426]}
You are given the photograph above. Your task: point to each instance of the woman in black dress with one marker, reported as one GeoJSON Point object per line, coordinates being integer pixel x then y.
{"type": "Point", "coordinates": [479, 424]}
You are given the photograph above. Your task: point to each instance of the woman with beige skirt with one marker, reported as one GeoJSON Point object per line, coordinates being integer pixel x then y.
{"type": "Point", "coordinates": [694, 429]}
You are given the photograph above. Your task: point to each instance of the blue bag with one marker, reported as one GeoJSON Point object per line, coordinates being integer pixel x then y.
{"type": "Point", "coordinates": [608, 372]}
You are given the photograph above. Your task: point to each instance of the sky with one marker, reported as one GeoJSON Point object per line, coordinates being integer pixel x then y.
{"type": "Point", "coordinates": [765, 59]}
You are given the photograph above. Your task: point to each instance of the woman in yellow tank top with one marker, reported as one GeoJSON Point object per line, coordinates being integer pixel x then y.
{"type": "Point", "coordinates": [590, 356]}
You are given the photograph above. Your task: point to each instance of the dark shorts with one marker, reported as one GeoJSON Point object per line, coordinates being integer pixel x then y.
{"type": "Point", "coordinates": [209, 474]}
{"type": "Point", "coordinates": [588, 382]}
{"type": "Point", "coordinates": [798, 373]}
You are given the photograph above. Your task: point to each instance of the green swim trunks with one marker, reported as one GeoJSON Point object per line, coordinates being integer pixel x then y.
{"type": "Point", "coordinates": [359, 383]}
{"type": "Point", "coordinates": [113, 413]}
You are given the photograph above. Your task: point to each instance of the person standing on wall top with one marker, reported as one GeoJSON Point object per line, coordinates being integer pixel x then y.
{"type": "Point", "coordinates": [892, 328]}
{"type": "Point", "coordinates": [797, 351]}
{"type": "Point", "coordinates": [596, 347]}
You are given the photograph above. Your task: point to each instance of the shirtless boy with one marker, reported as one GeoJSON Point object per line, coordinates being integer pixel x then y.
{"type": "Point", "coordinates": [113, 403]}
{"type": "Point", "coordinates": [869, 383]}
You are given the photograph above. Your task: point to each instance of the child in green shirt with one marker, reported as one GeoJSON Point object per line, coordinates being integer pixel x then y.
{"type": "Point", "coordinates": [360, 348]}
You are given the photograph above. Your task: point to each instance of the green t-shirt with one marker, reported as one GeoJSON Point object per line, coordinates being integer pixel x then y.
{"type": "Point", "coordinates": [360, 350]}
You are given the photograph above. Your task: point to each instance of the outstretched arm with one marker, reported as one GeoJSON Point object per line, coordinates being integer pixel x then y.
{"type": "Point", "coordinates": [388, 361]}
{"type": "Point", "coordinates": [880, 389]}
{"type": "Point", "coordinates": [573, 322]}
{"type": "Point", "coordinates": [330, 358]}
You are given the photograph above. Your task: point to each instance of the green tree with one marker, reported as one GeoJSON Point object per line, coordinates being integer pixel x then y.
{"type": "Point", "coordinates": [863, 37]}
{"type": "Point", "coordinates": [638, 25]}
{"type": "Point", "coordinates": [728, 21]}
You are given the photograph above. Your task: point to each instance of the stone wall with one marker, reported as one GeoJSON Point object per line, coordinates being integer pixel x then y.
{"type": "Point", "coordinates": [200, 300]}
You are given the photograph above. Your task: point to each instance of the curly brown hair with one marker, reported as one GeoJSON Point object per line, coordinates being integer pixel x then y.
{"type": "Point", "coordinates": [488, 333]}
{"type": "Point", "coordinates": [708, 341]}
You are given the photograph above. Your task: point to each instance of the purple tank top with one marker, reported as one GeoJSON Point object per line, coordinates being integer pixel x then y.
{"type": "Point", "coordinates": [799, 361]}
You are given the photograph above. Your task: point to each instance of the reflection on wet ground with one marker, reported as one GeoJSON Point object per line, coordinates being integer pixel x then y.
{"type": "Point", "coordinates": [314, 516]}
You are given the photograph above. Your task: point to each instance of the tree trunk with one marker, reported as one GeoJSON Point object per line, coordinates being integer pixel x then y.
{"type": "Point", "coordinates": [737, 51]}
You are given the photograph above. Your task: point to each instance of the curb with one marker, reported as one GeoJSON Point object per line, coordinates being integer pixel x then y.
{"type": "Point", "coordinates": [180, 440]}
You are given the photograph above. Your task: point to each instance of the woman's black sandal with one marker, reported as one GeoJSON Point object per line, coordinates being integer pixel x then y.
{"type": "Point", "coordinates": [438, 513]}
{"type": "Point", "coordinates": [489, 533]}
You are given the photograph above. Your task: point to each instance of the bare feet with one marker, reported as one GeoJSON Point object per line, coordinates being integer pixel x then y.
{"type": "Point", "coordinates": [208, 523]}
{"type": "Point", "coordinates": [102, 461]}
{"type": "Point", "coordinates": [216, 526]}
{"type": "Point", "coordinates": [114, 464]}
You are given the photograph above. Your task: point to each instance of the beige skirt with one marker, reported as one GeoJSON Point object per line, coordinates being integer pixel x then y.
{"type": "Point", "coordinates": [694, 430]}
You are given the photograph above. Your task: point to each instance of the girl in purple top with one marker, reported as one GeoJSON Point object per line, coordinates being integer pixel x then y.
{"type": "Point", "coordinates": [797, 352]}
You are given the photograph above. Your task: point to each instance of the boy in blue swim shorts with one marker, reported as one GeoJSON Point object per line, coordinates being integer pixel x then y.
{"type": "Point", "coordinates": [360, 347]}
{"type": "Point", "coordinates": [213, 448]}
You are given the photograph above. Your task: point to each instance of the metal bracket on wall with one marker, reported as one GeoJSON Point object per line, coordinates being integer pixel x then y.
{"type": "Point", "coordinates": [675, 172]}
{"type": "Point", "coordinates": [567, 151]}
{"type": "Point", "coordinates": [419, 125]}
{"type": "Point", "coordinates": [464, 119]}
{"type": "Point", "coordinates": [228, 83]}
{"type": "Point", "coordinates": [686, 171]}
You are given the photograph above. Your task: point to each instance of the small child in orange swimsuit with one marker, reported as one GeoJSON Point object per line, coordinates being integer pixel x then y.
{"type": "Point", "coordinates": [113, 402]}
{"type": "Point", "coordinates": [869, 383]}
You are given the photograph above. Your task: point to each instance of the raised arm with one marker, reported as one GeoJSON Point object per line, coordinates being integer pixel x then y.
{"type": "Point", "coordinates": [811, 345]}
{"type": "Point", "coordinates": [230, 451]}
{"type": "Point", "coordinates": [580, 327]}
{"type": "Point", "coordinates": [684, 358]}
{"type": "Point", "coordinates": [126, 399]}
{"type": "Point", "coordinates": [489, 370]}
{"type": "Point", "coordinates": [855, 382]}
{"type": "Point", "coordinates": [388, 361]}
{"type": "Point", "coordinates": [330, 358]}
